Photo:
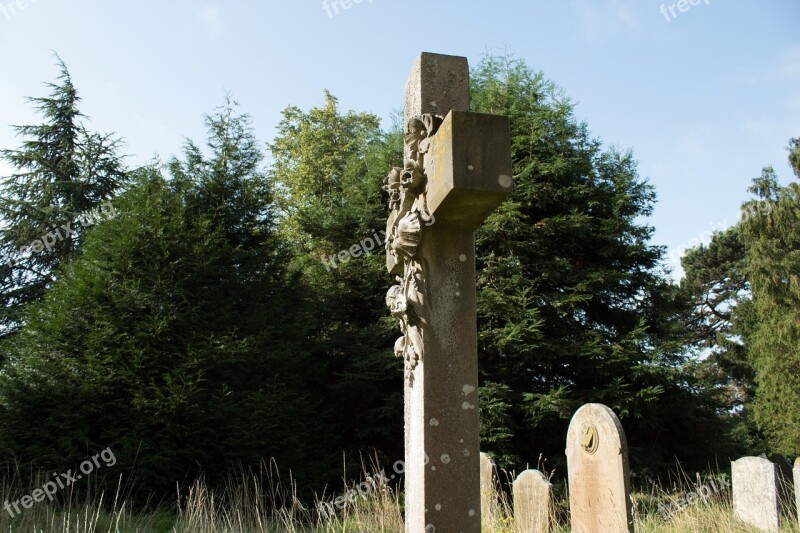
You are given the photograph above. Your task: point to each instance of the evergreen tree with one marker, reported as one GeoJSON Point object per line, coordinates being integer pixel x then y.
{"type": "Point", "coordinates": [62, 171]}
{"type": "Point", "coordinates": [170, 339]}
{"type": "Point", "coordinates": [573, 303]}
{"type": "Point", "coordinates": [719, 326]}
{"type": "Point", "coordinates": [772, 242]}
{"type": "Point", "coordinates": [715, 278]}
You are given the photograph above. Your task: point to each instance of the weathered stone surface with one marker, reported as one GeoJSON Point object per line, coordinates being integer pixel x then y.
{"type": "Point", "coordinates": [755, 492]}
{"type": "Point", "coordinates": [469, 170]}
{"type": "Point", "coordinates": [533, 502]}
{"type": "Point", "coordinates": [487, 483]}
{"type": "Point", "coordinates": [786, 495]}
{"type": "Point", "coordinates": [599, 476]}
{"type": "Point", "coordinates": [796, 472]}
{"type": "Point", "coordinates": [437, 84]}
{"type": "Point", "coordinates": [432, 253]}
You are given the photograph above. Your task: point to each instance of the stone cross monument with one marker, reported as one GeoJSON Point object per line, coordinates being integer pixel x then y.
{"type": "Point", "coordinates": [457, 170]}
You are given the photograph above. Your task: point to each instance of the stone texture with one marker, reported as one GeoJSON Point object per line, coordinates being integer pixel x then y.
{"type": "Point", "coordinates": [755, 492]}
{"type": "Point", "coordinates": [432, 253]}
{"type": "Point", "coordinates": [786, 495]}
{"type": "Point", "coordinates": [796, 472]}
{"type": "Point", "coordinates": [599, 476]}
{"type": "Point", "coordinates": [533, 502]}
{"type": "Point", "coordinates": [487, 483]}
{"type": "Point", "coordinates": [470, 171]}
{"type": "Point", "coordinates": [437, 84]}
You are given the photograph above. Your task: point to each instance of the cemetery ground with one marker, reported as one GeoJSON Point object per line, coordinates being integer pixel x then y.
{"type": "Point", "coordinates": [261, 503]}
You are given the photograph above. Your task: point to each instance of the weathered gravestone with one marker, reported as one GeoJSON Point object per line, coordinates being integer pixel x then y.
{"type": "Point", "coordinates": [533, 502]}
{"type": "Point", "coordinates": [786, 496]}
{"type": "Point", "coordinates": [487, 483]}
{"type": "Point", "coordinates": [796, 472]}
{"type": "Point", "coordinates": [599, 478]}
{"type": "Point", "coordinates": [457, 170]}
{"type": "Point", "coordinates": [756, 496]}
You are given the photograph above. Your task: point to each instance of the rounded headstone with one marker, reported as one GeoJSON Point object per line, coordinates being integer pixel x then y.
{"type": "Point", "coordinates": [533, 502]}
{"type": "Point", "coordinates": [599, 477]}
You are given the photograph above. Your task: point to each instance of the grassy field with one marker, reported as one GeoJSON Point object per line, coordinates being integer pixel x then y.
{"type": "Point", "coordinates": [254, 503]}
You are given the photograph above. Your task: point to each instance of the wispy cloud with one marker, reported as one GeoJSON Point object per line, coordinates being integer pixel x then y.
{"type": "Point", "coordinates": [210, 18]}
{"type": "Point", "coordinates": [600, 20]}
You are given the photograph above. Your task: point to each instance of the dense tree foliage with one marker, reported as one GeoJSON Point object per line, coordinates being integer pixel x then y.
{"type": "Point", "coordinates": [329, 167]}
{"type": "Point", "coordinates": [233, 313]}
{"type": "Point", "coordinates": [741, 288]}
{"type": "Point", "coordinates": [772, 243]}
{"type": "Point", "coordinates": [169, 339]}
{"type": "Point", "coordinates": [574, 306]}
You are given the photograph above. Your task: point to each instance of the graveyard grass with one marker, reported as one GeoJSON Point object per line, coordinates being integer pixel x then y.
{"type": "Point", "coordinates": [246, 505]}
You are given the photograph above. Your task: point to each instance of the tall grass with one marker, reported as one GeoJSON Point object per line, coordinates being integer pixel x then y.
{"type": "Point", "coordinates": [258, 502]}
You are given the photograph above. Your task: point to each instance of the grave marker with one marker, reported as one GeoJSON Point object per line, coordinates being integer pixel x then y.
{"type": "Point", "coordinates": [533, 502]}
{"type": "Point", "coordinates": [457, 170]}
{"type": "Point", "coordinates": [599, 478]}
{"type": "Point", "coordinates": [756, 496]}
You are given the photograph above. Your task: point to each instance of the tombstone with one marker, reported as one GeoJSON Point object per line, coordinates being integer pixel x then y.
{"type": "Point", "coordinates": [756, 497]}
{"type": "Point", "coordinates": [487, 483]}
{"type": "Point", "coordinates": [533, 502]}
{"type": "Point", "coordinates": [457, 170]}
{"type": "Point", "coordinates": [786, 495]}
{"type": "Point", "coordinates": [796, 472]}
{"type": "Point", "coordinates": [597, 467]}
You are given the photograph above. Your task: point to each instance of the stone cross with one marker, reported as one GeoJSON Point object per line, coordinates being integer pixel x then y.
{"type": "Point", "coordinates": [457, 170]}
{"type": "Point", "coordinates": [597, 468]}
{"type": "Point", "coordinates": [533, 503]}
{"type": "Point", "coordinates": [756, 492]}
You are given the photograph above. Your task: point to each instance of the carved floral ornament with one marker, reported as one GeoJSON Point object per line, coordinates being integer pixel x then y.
{"type": "Point", "coordinates": [408, 214]}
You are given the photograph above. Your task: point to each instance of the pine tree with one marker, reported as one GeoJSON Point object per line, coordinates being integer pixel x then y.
{"type": "Point", "coordinates": [573, 303]}
{"type": "Point", "coordinates": [719, 325]}
{"type": "Point", "coordinates": [62, 171]}
{"type": "Point", "coordinates": [772, 241]}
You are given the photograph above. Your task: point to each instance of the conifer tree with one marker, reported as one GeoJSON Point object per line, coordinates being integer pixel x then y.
{"type": "Point", "coordinates": [573, 303]}
{"type": "Point", "coordinates": [772, 243]}
{"type": "Point", "coordinates": [61, 171]}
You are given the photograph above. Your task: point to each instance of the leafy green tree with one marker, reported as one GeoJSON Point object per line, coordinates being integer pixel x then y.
{"type": "Point", "coordinates": [772, 241]}
{"type": "Point", "coordinates": [573, 303]}
{"type": "Point", "coordinates": [61, 171]}
{"type": "Point", "coordinates": [329, 167]}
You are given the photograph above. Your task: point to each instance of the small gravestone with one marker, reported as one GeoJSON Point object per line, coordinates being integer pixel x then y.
{"type": "Point", "coordinates": [487, 483]}
{"type": "Point", "coordinates": [599, 478]}
{"type": "Point", "coordinates": [786, 493]}
{"type": "Point", "coordinates": [797, 485]}
{"type": "Point", "coordinates": [533, 502]}
{"type": "Point", "coordinates": [756, 497]}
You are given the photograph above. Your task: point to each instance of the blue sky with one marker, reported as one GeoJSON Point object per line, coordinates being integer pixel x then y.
{"type": "Point", "coordinates": [704, 100]}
